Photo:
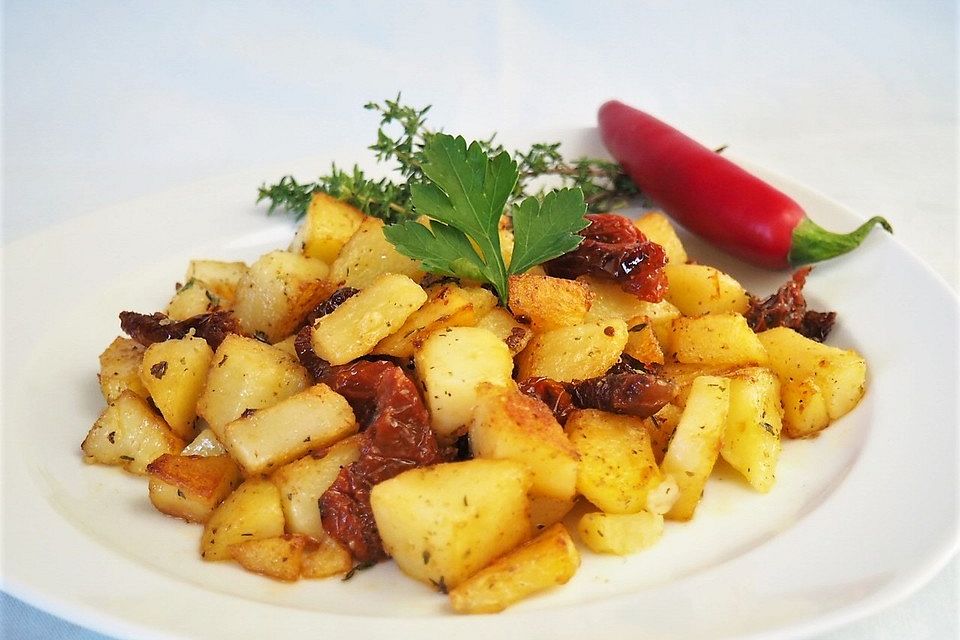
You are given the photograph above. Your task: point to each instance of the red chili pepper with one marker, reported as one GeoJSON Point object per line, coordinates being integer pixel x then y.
{"type": "Point", "coordinates": [716, 199]}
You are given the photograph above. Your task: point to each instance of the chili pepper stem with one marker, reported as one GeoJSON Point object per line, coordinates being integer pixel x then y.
{"type": "Point", "coordinates": [812, 243]}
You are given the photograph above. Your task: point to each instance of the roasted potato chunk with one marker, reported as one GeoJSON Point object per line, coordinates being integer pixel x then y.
{"type": "Point", "coordinates": [190, 487]}
{"type": "Point", "coordinates": [751, 436]}
{"type": "Point", "coordinates": [447, 306]}
{"type": "Point", "coordinates": [548, 303]}
{"type": "Point", "coordinates": [120, 369]}
{"type": "Point", "coordinates": [720, 339]}
{"type": "Point", "coordinates": [367, 255]}
{"type": "Point", "coordinates": [502, 324]}
{"type": "Point", "coordinates": [251, 512]}
{"type": "Point", "coordinates": [574, 353]}
{"type": "Point", "coordinates": [175, 372]}
{"type": "Point", "coordinates": [697, 290]}
{"type": "Point", "coordinates": [328, 226]}
{"type": "Point", "coordinates": [658, 228]}
{"type": "Point", "coordinates": [620, 533]}
{"type": "Point", "coordinates": [280, 557]}
{"type": "Point", "coordinates": [220, 277]}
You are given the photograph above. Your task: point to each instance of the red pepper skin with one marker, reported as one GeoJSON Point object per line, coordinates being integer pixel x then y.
{"type": "Point", "coordinates": [714, 198]}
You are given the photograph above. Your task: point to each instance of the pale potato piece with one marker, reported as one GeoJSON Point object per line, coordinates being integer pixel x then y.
{"type": "Point", "coordinates": [841, 374]}
{"type": "Point", "coordinates": [190, 487]}
{"type": "Point", "coordinates": [661, 427]}
{"type": "Point", "coordinates": [502, 323]}
{"type": "Point", "coordinates": [205, 444]}
{"type": "Point", "coordinates": [805, 411]}
{"type": "Point", "coordinates": [482, 300]}
{"type": "Point", "coordinates": [617, 469]}
{"type": "Point", "coordinates": [751, 437]}
{"type": "Point", "coordinates": [302, 483]}
{"type": "Point", "coordinates": [280, 557]}
{"type": "Point", "coordinates": [247, 374]}
{"type": "Point", "coordinates": [130, 434]}
{"type": "Point", "coordinates": [658, 228]}
{"type": "Point", "coordinates": [548, 303]}
{"type": "Point", "coordinates": [355, 327]}
{"type": "Point", "coordinates": [696, 442]}
{"type": "Point", "coordinates": [251, 512]}
{"type": "Point", "coordinates": [545, 511]}
{"type": "Point", "coordinates": [620, 533]}
{"type": "Point", "coordinates": [574, 353]}
{"type": "Point", "coordinates": [697, 289]}
{"type": "Point", "coordinates": [610, 301]}
{"type": "Point", "coordinates": [221, 277]}
{"type": "Point", "coordinates": [442, 524]}
{"type": "Point", "coordinates": [192, 299]}
{"type": "Point", "coordinates": [447, 305]}
{"type": "Point", "coordinates": [271, 437]}
{"type": "Point", "coordinates": [451, 364]}
{"type": "Point", "coordinates": [120, 369]}
{"type": "Point", "coordinates": [288, 345]}
{"type": "Point", "coordinates": [175, 372]}
{"type": "Point", "coordinates": [720, 339]}
{"type": "Point", "coordinates": [510, 425]}
{"type": "Point", "coordinates": [277, 293]}
{"type": "Point", "coordinates": [324, 557]}
{"type": "Point", "coordinates": [548, 560]}
{"type": "Point", "coordinates": [367, 255]}
{"type": "Point", "coordinates": [683, 375]}
{"type": "Point", "coordinates": [328, 226]}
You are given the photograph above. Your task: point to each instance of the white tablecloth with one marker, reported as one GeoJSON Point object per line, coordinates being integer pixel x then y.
{"type": "Point", "coordinates": [104, 101]}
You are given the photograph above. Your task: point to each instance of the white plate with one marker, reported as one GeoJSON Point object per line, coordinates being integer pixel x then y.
{"type": "Point", "coordinates": [860, 516]}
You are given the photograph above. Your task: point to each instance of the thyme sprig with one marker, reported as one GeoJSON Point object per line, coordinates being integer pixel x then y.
{"type": "Point", "coordinates": [401, 137]}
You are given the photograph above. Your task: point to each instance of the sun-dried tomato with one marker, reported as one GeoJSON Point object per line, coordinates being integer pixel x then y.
{"type": "Point", "coordinates": [788, 308]}
{"type": "Point", "coordinates": [397, 437]}
{"type": "Point", "coordinates": [614, 249]}
{"type": "Point", "coordinates": [625, 391]}
{"type": "Point", "coordinates": [157, 327]}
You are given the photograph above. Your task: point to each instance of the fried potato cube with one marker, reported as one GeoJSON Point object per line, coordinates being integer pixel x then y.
{"type": "Point", "coordinates": [444, 523]}
{"type": "Point", "coordinates": [367, 255]}
{"type": "Point", "coordinates": [191, 299]}
{"type": "Point", "coordinates": [574, 353]}
{"type": "Point", "coordinates": [120, 369]}
{"type": "Point", "coordinates": [447, 306]}
{"type": "Point", "coordinates": [661, 427]}
{"type": "Point", "coordinates": [247, 374]}
{"type": "Point", "coordinates": [324, 557]}
{"type": "Point", "coordinates": [658, 228]}
{"type": "Point", "coordinates": [354, 328]}
{"type": "Point", "coordinates": [545, 511]}
{"type": "Point", "coordinates": [130, 434]}
{"type": "Point", "coordinates": [205, 444]}
{"type": "Point", "coordinates": [451, 364]}
{"type": "Point", "coordinates": [751, 437]}
{"type": "Point", "coordinates": [696, 442]}
{"type": "Point", "coordinates": [190, 487]}
{"type": "Point", "coordinates": [175, 372]}
{"type": "Point", "coordinates": [251, 512]}
{"type": "Point", "coordinates": [697, 289]}
{"type": "Point", "coordinates": [724, 339]}
{"type": "Point", "coordinates": [840, 374]}
{"type": "Point", "coordinates": [620, 533]}
{"type": "Point", "coordinates": [271, 437]}
{"type": "Point", "coordinates": [277, 293]}
{"type": "Point", "coordinates": [303, 481]}
{"type": "Point", "coordinates": [280, 557]}
{"type": "Point", "coordinates": [510, 425]}
{"type": "Point", "coordinates": [805, 411]}
{"type": "Point", "coordinates": [642, 343]}
{"type": "Point", "coordinates": [610, 301]}
{"type": "Point", "coordinates": [483, 301]}
{"type": "Point", "coordinates": [683, 375]}
{"type": "Point", "coordinates": [617, 468]}
{"type": "Point", "coordinates": [547, 561]}
{"type": "Point", "coordinates": [548, 303]}
{"type": "Point", "coordinates": [502, 324]}
{"type": "Point", "coordinates": [328, 225]}
{"type": "Point", "coordinates": [221, 278]}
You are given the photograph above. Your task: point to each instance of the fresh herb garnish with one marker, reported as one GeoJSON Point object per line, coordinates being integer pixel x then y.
{"type": "Point", "coordinates": [464, 193]}
{"type": "Point", "coordinates": [401, 138]}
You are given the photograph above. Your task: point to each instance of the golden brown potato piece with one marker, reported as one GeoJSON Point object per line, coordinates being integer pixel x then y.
{"type": "Point", "coordinates": [192, 299]}
{"type": "Point", "coordinates": [175, 372]}
{"type": "Point", "coordinates": [547, 561]}
{"type": "Point", "coordinates": [548, 303]}
{"type": "Point", "coordinates": [642, 342]}
{"type": "Point", "coordinates": [324, 557]}
{"type": "Point", "coordinates": [574, 353]}
{"type": "Point", "coordinates": [120, 369]}
{"type": "Point", "coordinates": [367, 255]}
{"type": "Point", "coordinates": [190, 487]}
{"type": "Point", "coordinates": [280, 557]}
{"type": "Point", "coordinates": [721, 339]}
{"type": "Point", "coordinates": [509, 425]}
{"type": "Point", "coordinates": [751, 437]}
{"type": "Point", "coordinates": [502, 324]}
{"type": "Point", "coordinates": [442, 524]}
{"type": "Point", "coordinates": [221, 278]}
{"type": "Point", "coordinates": [328, 226]}
{"type": "Point", "coordinates": [658, 228]}
{"type": "Point", "coordinates": [805, 411]}
{"type": "Point", "coordinates": [620, 533]}
{"type": "Point", "coordinates": [251, 512]}
{"type": "Point", "coordinates": [447, 305]}
{"type": "Point", "coordinates": [205, 444]}
{"type": "Point", "coordinates": [355, 327]}
{"type": "Point", "coordinates": [696, 443]}
{"type": "Point", "coordinates": [130, 434]}
{"type": "Point", "coordinates": [697, 289]}
{"type": "Point", "coordinates": [271, 437]}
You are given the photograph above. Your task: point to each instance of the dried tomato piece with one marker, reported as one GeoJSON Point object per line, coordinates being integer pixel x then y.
{"type": "Point", "coordinates": [788, 308]}
{"type": "Point", "coordinates": [613, 248]}
{"type": "Point", "coordinates": [397, 437]}
{"type": "Point", "coordinates": [157, 327]}
{"type": "Point", "coordinates": [552, 393]}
